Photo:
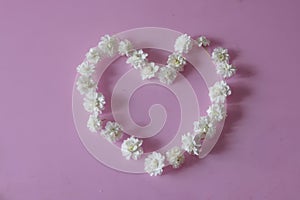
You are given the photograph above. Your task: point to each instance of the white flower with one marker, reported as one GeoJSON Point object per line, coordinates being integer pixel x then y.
{"type": "Point", "coordinates": [192, 143]}
{"type": "Point", "coordinates": [94, 102]}
{"type": "Point", "coordinates": [86, 69]}
{"type": "Point", "coordinates": [154, 164]}
{"type": "Point", "coordinates": [93, 56]}
{"type": "Point", "coordinates": [138, 59]}
{"type": "Point", "coordinates": [149, 70]}
{"type": "Point", "coordinates": [132, 148]}
{"type": "Point", "coordinates": [108, 45]}
{"type": "Point", "coordinates": [205, 125]}
{"type": "Point", "coordinates": [177, 61]}
{"type": "Point", "coordinates": [175, 157]}
{"type": "Point", "coordinates": [94, 123]}
{"type": "Point", "coordinates": [112, 131]}
{"type": "Point", "coordinates": [125, 47]}
{"type": "Point", "coordinates": [167, 75]}
{"type": "Point", "coordinates": [220, 55]}
{"type": "Point", "coordinates": [85, 84]}
{"type": "Point", "coordinates": [183, 44]}
{"type": "Point", "coordinates": [216, 112]}
{"type": "Point", "coordinates": [219, 91]}
{"type": "Point", "coordinates": [203, 41]}
{"type": "Point", "coordinates": [225, 70]}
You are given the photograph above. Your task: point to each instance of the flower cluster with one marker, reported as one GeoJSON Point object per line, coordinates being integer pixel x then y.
{"type": "Point", "coordinates": [112, 131]}
{"type": "Point", "coordinates": [94, 124]}
{"type": "Point", "coordinates": [192, 143]}
{"type": "Point", "coordinates": [175, 157]}
{"type": "Point", "coordinates": [149, 70]}
{"type": "Point", "coordinates": [131, 148]}
{"type": "Point", "coordinates": [154, 164]}
{"type": "Point", "coordinates": [94, 102]}
{"type": "Point", "coordinates": [203, 41]}
{"type": "Point", "coordinates": [176, 61]}
{"type": "Point", "coordinates": [221, 57]}
{"type": "Point", "coordinates": [138, 59]}
{"type": "Point", "coordinates": [125, 47]}
{"type": "Point", "coordinates": [167, 73]}
{"type": "Point", "coordinates": [183, 44]}
{"type": "Point", "coordinates": [94, 55]}
{"type": "Point", "coordinates": [109, 45]}
{"type": "Point", "coordinates": [205, 127]}
{"type": "Point", "coordinates": [219, 91]}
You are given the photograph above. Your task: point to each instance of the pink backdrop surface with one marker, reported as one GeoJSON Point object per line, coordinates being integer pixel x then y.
{"type": "Point", "coordinates": [41, 155]}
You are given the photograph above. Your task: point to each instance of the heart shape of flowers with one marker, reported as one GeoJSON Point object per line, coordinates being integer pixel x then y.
{"type": "Point", "coordinates": [205, 127]}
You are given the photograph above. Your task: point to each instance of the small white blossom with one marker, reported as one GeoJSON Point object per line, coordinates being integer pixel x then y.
{"type": "Point", "coordinates": [192, 143]}
{"type": "Point", "coordinates": [220, 55]}
{"type": "Point", "coordinates": [175, 157]}
{"type": "Point", "coordinates": [183, 44]}
{"type": "Point", "coordinates": [154, 164]}
{"type": "Point", "coordinates": [85, 84]}
{"type": "Point", "coordinates": [219, 91]}
{"type": "Point", "coordinates": [203, 41]}
{"type": "Point", "coordinates": [167, 75]}
{"type": "Point", "coordinates": [138, 59]}
{"type": "Point", "coordinates": [125, 47]}
{"type": "Point", "coordinates": [225, 70]}
{"type": "Point", "coordinates": [94, 102]}
{"type": "Point", "coordinates": [216, 112]}
{"type": "Point", "coordinates": [108, 45]}
{"type": "Point", "coordinates": [94, 123]}
{"type": "Point", "coordinates": [132, 148]}
{"type": "Point", "coordinates": [149, 70]}
{"type": "Point", "coordinates": [86, 69]}
{"type": "Point", "coordinates": [112, 131]}
{"type": "Point", "coordinates": [93, 56]}
{"type": "Point", "coordinates": [177, 61]}
{"type": "Point", "coordinates": [205, 125]}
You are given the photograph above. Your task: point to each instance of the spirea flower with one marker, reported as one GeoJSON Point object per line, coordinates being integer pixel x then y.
{"type": "Point", "coordinates": [177, 61]}
{"type": "Point", "coordinates": [108, 45]}
{"type": "Point", "coordinates": [85, 84]}
{"type": "Point", "coordinates": [216, 112]}
{"type": "Point", "coordinates": [132, 148]}
{"type": "Point", "coordinates": [154, 164]}
{"type": "Point", "coordinates": [191, 143]}
{"type": "Point", "coordinates": [203, 41]}
{"type": "Point", "coordinates": [219, 91]}
{"type": "Point", "coordinates": [220, 55]}
{"type": "Point", "coordinates": [205, 125]}
{"type": "Point", "coordinates": [167, 75]}
{"type": "Point", "coordinates": [175, 157]}
{"type": "Point", "coordinates": [138, 59]}
{"type": "Point", "coordinates": [93, 56]}
{"type": "Point", "coordinates": [149, 70]}
{"type": "Point", "coordinates": [94, 123]}
{"type": "Point", "coordinates": [86, 69]}
{"type": "Point", "coordinates": [94, 102]}
{"type": "Point", "coordinates": [225, 70]}
{"type": "Point", "coordinates": [125, 47]}
{"type": "Point", "coordinates": [112, 131]}
{"type": "Point", "coordinates": [183, 44]}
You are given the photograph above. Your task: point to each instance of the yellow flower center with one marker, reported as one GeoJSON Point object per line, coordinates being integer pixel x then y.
{"type": "Point", "coordinates": [131, 148]}
{"type": "Point", "coordinates": [221, 57]}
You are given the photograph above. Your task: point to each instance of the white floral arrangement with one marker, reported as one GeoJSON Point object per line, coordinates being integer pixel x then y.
{"type": "Point", "coordinates": [131, 148]}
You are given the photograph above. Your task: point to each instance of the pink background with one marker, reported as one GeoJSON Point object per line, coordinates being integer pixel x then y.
{"type": "Point", "coordinates": [41, 156]}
